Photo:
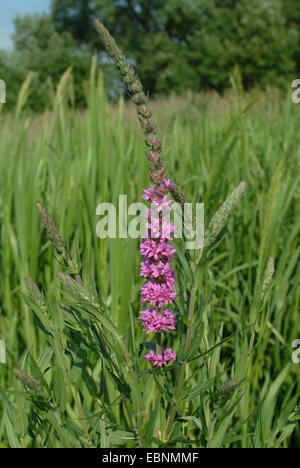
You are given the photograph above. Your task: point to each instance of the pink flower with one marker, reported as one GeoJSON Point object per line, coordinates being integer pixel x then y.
{"type": "Point", "coordinates": [169, 278]}
{"type": "Point", "coordinates": [160, 229]}
{"type": "Point", "coordinates": [158, 269]}
{"type": "Point", "coordinates": [168, 184]}
{"type": "Point", "coordinates": [161, 359]}
{"type": "Point", "coordinates": [149, 194]}
{"type": "Point", "coordinates": [162, 204]}
{"type": "Point", "coordinates": [158, 249]}
{"type": "Point", "coordinates": [153, 321]}
{"type": "Point", "coordinates": [157, 293]}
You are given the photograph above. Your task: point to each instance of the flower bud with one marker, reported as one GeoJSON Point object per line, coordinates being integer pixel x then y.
{"type": "Point", "coordinates": [139, 98]}
{"type": "Point", "coordinates": [135, 87]}
{"type": "Point", "coordinates": [157, 176]}
{"type": "Point", "coordinates": [153, 142]}
{"type": "Point", "coordinates": [154, 127]}
{"type": "Point", "coordinates": [153, 157]}
{"type": "Point", "coordinates": [145, 124]}
{"type": "Point", "coordinates": [145, 111]}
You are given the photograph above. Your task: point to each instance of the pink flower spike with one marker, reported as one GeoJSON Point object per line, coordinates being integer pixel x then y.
{"type": "Point", "coordinates": [156, 267]}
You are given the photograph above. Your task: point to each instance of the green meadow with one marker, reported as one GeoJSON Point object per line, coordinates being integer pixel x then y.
{"type": "Point", "coordinates": [83, 350]}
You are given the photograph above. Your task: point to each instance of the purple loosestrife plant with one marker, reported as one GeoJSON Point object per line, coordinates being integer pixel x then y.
{"type": "Point", "coordinates": [159, 290]}
{"type": "Point", "coordinates": [93, 371]}
{"type": "Point", "coordinates": [157, 249]}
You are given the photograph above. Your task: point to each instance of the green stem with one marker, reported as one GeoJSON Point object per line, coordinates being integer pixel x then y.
{"type": "Point", "coordinates": [191, 311]}
{"type": "Point", "coordinates": [158, 343]}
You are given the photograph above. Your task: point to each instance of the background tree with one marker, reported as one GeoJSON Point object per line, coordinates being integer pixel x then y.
{"type": "Point", "coordinates": [193, 44]}
{"type": "Point", "coordinates": [251, 35]}
{"type": "Point", "coordinates": [74, 16]}
{"type": "Point", "coordinates": [291, 11]}
{"type": "Point", "coordinates": [48, 53]}
{"type": "Point", "coordinates": [13, 73]}
{"type": "Point", "coordinates": [174, 44]}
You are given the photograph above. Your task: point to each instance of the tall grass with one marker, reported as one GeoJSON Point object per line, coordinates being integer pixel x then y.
{"type": "Point", "coordinates": [70, 161]}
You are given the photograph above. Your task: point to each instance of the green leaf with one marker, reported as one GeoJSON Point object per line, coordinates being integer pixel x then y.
{"type": "Point", "coordinates": [120, 437]}
{"type": "Point", "coordinates": [196, 391]}
{"type": "Point", "coordinates": [151, 423]}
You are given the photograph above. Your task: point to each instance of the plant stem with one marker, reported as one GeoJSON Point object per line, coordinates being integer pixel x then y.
{"type": "Point", "coordinates": [81, 416]}
{"type": "Point", "coordinates": [173, 407]}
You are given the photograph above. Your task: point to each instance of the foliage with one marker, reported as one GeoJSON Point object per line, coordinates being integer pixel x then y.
{"type": "Point", "coordinates": [44, 52]}
{"type": "Point", "coordinates": [13, 73]}
{"type": "Point", "coordinates": [194, 44]}
{"type": "Point", "coordinates": [176, 45]}
{"type": "Point", "coordinates": [74, 16]}
{"type": "Point", "coordinates": [81, 379]}
{"type": "Point", "coordinates": [47, 54]}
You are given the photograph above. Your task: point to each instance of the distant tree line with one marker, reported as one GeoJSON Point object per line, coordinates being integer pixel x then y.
{"type": "Point", "coordinates": [175, 44]}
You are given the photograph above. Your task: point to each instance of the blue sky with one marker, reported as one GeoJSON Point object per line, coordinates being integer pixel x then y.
{"type": "Point", "coordinates": [9, 9]}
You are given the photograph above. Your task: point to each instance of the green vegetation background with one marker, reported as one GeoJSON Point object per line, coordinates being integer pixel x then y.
{"type": "Point", "coordinates": [81, 149]}
{"type": "Point", "coordinates": [71, 160]}
{"type": "Point", "coordinates": [176, 45]}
